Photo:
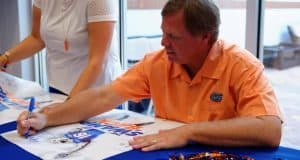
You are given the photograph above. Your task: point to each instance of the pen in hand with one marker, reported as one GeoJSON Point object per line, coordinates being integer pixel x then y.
{"type": "Point", "coordinates": [30, 109]}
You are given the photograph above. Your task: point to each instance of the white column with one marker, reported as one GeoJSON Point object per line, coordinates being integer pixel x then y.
{"type": "Point", "coordinates": [254, 26]}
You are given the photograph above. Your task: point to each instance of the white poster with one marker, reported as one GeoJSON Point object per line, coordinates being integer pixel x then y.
{"type": "Point", "coordinates": [97, 138]}
{"type": "Point", "coordinates": [14, 94]}
{"type": "Point", "coordinates": [20, 88]}
{"type": "Point", "coordinates": [10, 108]}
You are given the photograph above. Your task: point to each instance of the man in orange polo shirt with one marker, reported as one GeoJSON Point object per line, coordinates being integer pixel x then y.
{"type": "Point", "coordinates": [217, 88]}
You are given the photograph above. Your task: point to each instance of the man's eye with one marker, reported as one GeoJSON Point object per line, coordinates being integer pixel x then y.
{"type": "Point", "coordinates": [171, 36]}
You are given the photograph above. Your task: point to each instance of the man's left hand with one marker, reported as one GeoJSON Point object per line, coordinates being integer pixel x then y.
{"type": "Point", "coordinates": [171, 138]}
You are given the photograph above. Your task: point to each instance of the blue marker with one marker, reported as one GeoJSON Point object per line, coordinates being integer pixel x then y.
{"type": "Point", "coordinates": [30, 109]}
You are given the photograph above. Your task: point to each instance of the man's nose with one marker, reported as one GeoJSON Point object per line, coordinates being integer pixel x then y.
{"type": "Point", "coordinates": [164, 41]}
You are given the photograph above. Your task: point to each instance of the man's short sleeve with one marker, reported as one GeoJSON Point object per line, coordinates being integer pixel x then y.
{"type": "Point", "coordinates": [134, 84]}
{"type": "Point", "coordinates": [255, 94]}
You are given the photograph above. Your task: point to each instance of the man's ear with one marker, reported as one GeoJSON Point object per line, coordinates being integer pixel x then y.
{"type": "Point", "coordinates": [205, 37]}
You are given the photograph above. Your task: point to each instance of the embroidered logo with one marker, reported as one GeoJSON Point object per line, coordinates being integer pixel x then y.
{"type": "Point", "coordinates": [216, 97]}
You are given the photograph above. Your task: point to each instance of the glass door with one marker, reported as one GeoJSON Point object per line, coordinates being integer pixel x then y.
{"type": "Point", "coordinates": [281, 57]}
{"type": "Point", "coordinates": [141, 20]}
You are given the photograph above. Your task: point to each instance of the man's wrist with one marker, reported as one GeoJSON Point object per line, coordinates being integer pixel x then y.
{"type": "Point", "coordinates": [46, 119]}
{"type": "Point", "coordinates": [188, 132]}
{"type": "Point", "coordinates": [68, 98]}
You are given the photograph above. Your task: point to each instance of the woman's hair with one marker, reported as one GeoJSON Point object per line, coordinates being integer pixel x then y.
{"type": "Point", "coordinates": [200, 16]}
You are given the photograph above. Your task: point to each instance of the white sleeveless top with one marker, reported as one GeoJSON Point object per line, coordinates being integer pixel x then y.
{"type": "Point", "coordinates": [69, 18]}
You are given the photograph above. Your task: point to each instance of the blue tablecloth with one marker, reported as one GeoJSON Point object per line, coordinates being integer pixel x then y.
{"type": "Point", "coordinates": [280, 153]}
{"type": "Point", "coordinates": [8, 127]}
{"type": "Point", "coordinates": [11, 151]}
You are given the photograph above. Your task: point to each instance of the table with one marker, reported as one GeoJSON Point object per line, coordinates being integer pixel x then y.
{"type": "Point", "coordinates": [289, 150]}
{"type": "Point", "coordinates": [12, 151]}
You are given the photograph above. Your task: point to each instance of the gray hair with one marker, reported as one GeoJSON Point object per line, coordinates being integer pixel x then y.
{"type": "Point", "coordinates": [200, 16]}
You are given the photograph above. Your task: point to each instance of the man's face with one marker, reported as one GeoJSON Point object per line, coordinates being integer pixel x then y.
{"type": "Point", "coordinates": [181, 46]}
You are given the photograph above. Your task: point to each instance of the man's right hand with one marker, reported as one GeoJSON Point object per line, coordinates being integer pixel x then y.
{"type": "Point", "coordinates": [35, 123]}
{"type": "Point", "coordinates": [47, 109]}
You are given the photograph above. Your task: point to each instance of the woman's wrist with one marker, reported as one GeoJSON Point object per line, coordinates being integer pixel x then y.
{"type": "Point", "coordinates": [6, 59]}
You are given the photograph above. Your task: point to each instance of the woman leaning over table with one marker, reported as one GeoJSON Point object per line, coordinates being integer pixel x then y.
{"type": "Point", "coordinates": [80, 41]}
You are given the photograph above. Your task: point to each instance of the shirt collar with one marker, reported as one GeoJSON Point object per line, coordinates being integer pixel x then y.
{"type": "Point", "coordinates": [214, 64]}
{"type": "Point", "coordinates": [212, 67]}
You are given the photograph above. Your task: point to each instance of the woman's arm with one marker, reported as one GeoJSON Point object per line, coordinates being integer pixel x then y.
{"type": "Point", "coordinates": [30, 45]}
{"type": "Point", "coordinates": [100, 37]}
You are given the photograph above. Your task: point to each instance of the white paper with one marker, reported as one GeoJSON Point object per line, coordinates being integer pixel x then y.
{"type": "Point", "coordinates": [52, 143]}
{"type": "Point", "coordinates": [10, 108]}
{"type": "Point", "coordinates": [12, 102]}
{"type": "Point", "coordinates": [20, 88]}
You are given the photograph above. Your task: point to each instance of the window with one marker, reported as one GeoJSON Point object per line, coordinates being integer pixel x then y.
{"type": "Point", "coordinates": [281, 54]}
{"type": "Point", "coordinates": [142, 21]}
{"type": "Point", "coordinates": [282, 34]}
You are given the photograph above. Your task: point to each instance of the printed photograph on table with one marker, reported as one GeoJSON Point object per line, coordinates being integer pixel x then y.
{"type": "Point", "coordinates": [7, 101]}
{"type": "Point", "coordinates": [2, 107]}
{"type": "Point", "coordinates": [100, 137]}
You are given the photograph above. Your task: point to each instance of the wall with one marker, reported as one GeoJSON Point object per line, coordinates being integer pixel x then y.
{"type": "Point", "coordinates": [15, 18]}
{"type": "Point", "coordinates": [9, 30]}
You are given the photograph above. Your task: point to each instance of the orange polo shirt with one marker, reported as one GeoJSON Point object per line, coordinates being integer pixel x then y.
{"type": "Point", "coordinates": [230, 84]}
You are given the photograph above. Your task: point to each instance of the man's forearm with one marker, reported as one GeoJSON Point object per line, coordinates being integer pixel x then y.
{"type": "Point", "coordinates": [247, 131]}
{"type": "Point", "coordinates": [83, 105]}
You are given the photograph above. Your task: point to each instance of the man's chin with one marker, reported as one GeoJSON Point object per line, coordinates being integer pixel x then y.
{"type": "Point", "coordinates": [170, 57]}
{"type": "Point", "coordinates": [173, 59]}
